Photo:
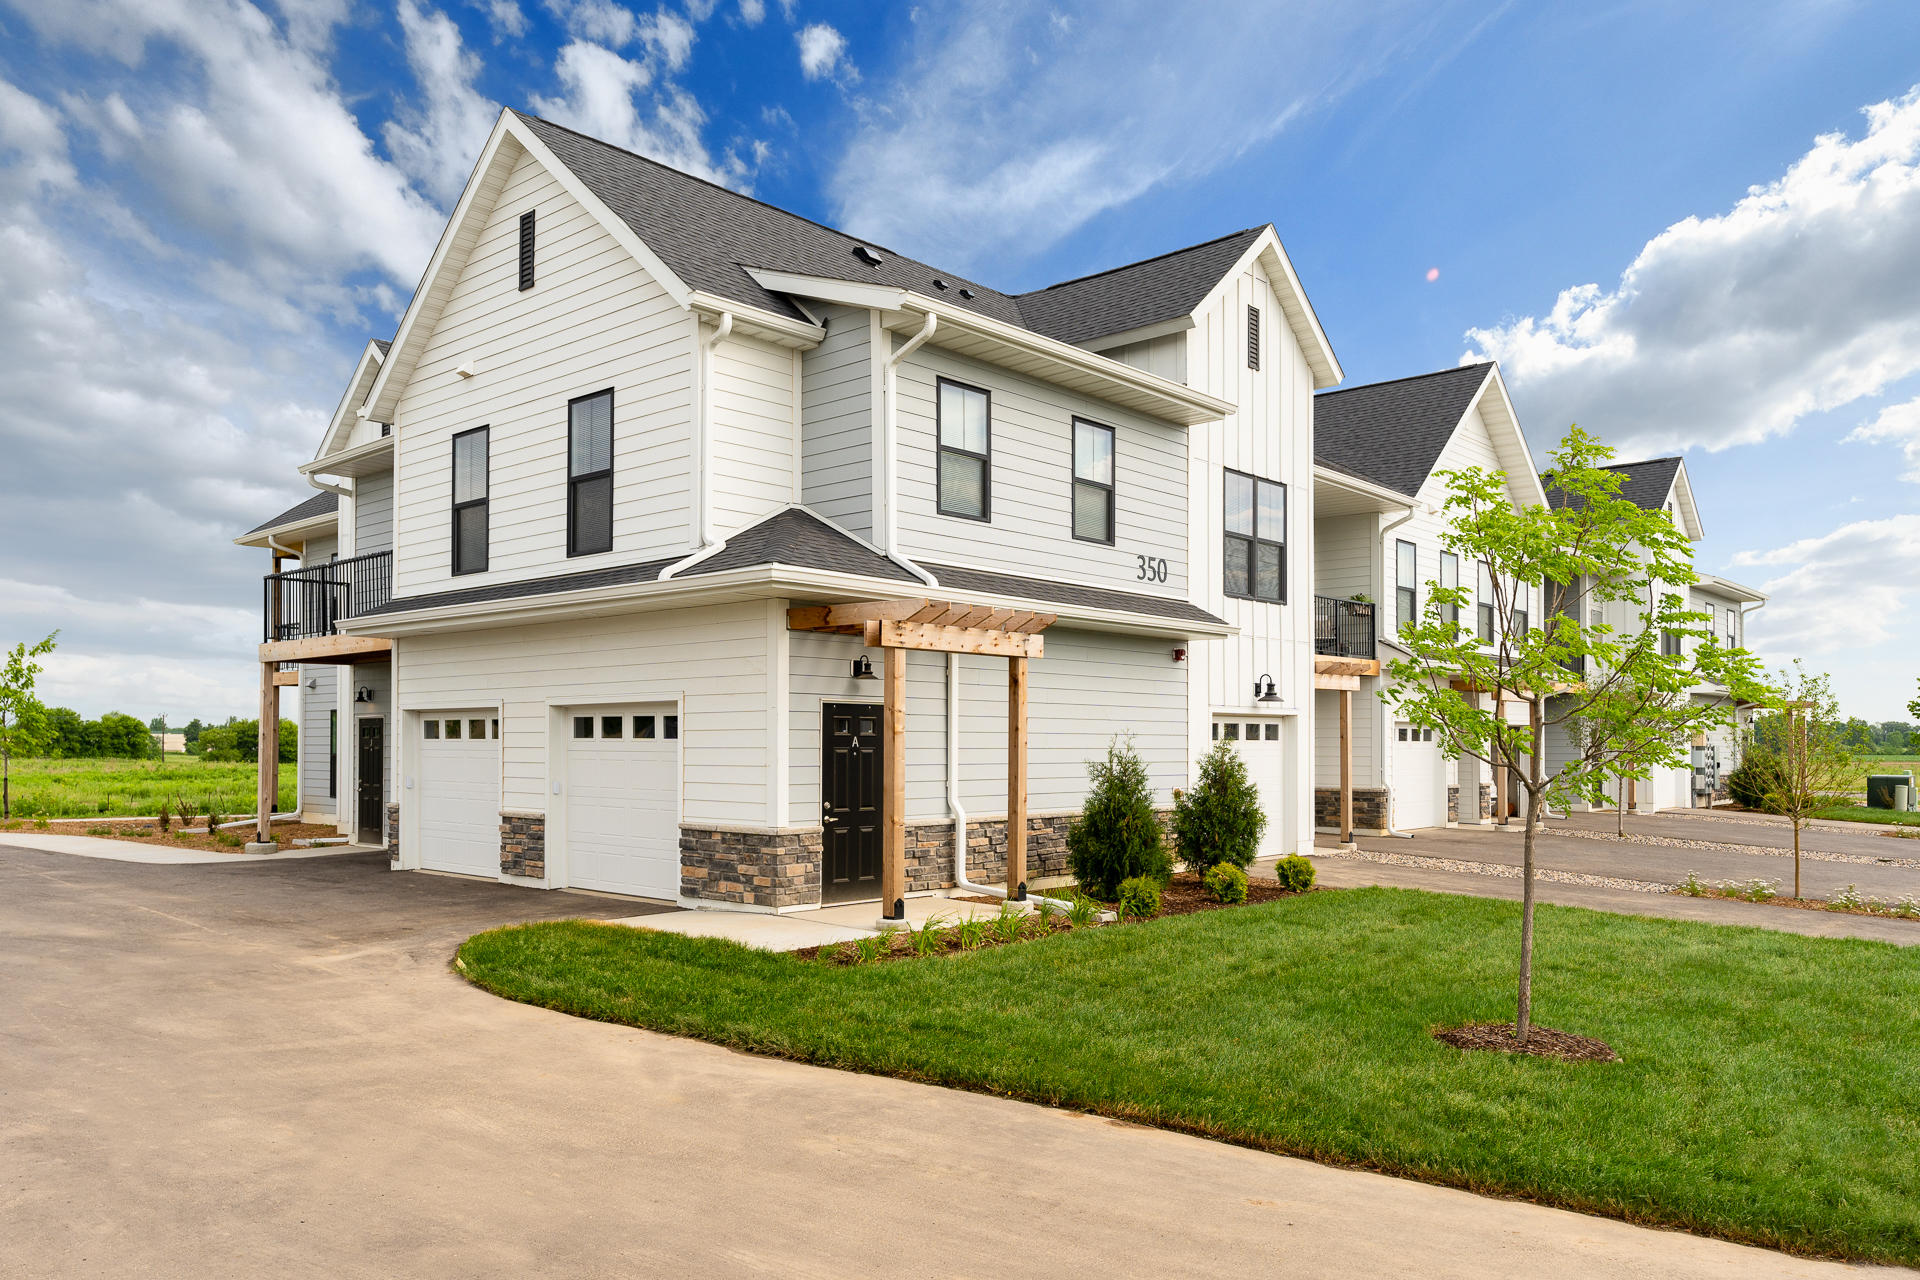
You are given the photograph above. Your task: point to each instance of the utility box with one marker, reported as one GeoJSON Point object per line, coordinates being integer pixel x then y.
{"type": "Point", "coordinates": [1880, 787]}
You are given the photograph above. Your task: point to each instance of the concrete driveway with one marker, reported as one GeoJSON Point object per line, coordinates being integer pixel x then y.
{"type": "Point", "coordinates": [268, 1069]}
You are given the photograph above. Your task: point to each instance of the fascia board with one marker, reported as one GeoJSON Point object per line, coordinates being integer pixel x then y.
{"type": "Point", "coordinates": [1529, 489]}
{"type": "Point", "coordinates": [1294, 305]}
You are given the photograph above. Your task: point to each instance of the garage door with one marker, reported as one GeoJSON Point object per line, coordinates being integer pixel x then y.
{"type": "Point", "coordinates": [1263, 746]}
{"type": "Point", "coordinates": [459, 827]}
{"type": "Point", "coordinates": [623, 799]}
{"type": "Point", "coordinates": [1418, 768]}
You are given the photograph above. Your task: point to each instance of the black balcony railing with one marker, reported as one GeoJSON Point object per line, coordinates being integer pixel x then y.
{"type": "Point", "coordinates": [1343, 628]}
{"type": "Point", "coordinates": [310, 601]}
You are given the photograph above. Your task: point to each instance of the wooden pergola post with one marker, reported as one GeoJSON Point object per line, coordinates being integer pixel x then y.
{"type": "Point", "coordinates": [269, 789]}
{"type": "Point", "coordinates": [1016, 779]}
{"type": "Point", "coordinates": [893, 805]}
{"type": "Point", "coordinates": [1346, 766]}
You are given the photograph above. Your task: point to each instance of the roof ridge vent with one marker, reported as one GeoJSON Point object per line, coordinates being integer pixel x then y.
{"type": "Point", "coordinates": [967, 293]}
{"type": "Point", "coordinates": [869, 256]}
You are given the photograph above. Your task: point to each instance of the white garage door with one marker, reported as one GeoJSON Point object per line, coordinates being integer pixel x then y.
{"type": "Point", "coordinates": [1263, 745]}
{"type": "Point", "coordinates": [1418, 798]}
{"type": "Point", "coordinates": [459, 828]}
{"type": "Point", "coordinates": [623, 799]}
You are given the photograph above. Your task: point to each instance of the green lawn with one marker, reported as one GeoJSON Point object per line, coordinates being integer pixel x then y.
{"type": "Point", "coordinates": [1860, 813]}
{"type": "Point", "coordinates": [134, 788]}
{"type": "Point", "coordinates": [1770, 1090]}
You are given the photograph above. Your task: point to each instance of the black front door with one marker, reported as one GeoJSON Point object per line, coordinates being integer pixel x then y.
{"type": "Point", "coordinates": [370, 807]}
{"type": "Point", "coordinates": [850, 790]}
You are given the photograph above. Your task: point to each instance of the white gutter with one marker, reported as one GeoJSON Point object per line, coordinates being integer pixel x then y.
{"type": "Point", "coordinates": [273, 544]}
{"type": "Point", "coordinates": [334, 489]}
{"type": "Point", "coordinates": [960, 880]}
{"type": "Point", "coordinates": [890, 444]}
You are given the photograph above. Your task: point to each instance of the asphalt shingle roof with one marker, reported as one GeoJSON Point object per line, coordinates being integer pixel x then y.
{"type": "Point", "coordinates": [803, 540]}
{"type": "Point", "coordinates": [709, 236]}
{"type": "Point", "coordinates": [1645, 484]}
{"type": "Point", "coordinates": [1392, 433]}
{"type": "Point", "coordinates": [1066, 593]}
{"type": "Point", "coordinates": [384, 345]}
{"type": "Point", "coordinates": [323, 503]}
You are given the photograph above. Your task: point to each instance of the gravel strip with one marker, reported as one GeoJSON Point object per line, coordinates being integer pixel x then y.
{"type": "Point", "coordinates": [1818, 824]}
{"type": "Point", "coordinates": [1754, 850]}
{"type": "Point", "coordinates": [1498, 869]}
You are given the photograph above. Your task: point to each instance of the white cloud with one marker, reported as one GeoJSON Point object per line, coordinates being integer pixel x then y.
{"type": "Point", "coordinates": [33, 146]}
{"type": "Point", "coordinates": [598, 20]}
{"type": "Point", "coordinates": [506, 19]}
{"type": "Point", "coordinates": [437, 141]}
{"type": "Point", "coordinates": [1726, 330]}
{"type": "Point", "coordinates": [1896, 424]}
{"type": "Point", "coordinates": [823, 53]}
{"type": "Point", "coordinates": [1007, 125]}
{"type": "Point", "coordinates": [1867, 573]}
{"type": "Point", "coordinates": [753, 12]}
{"type": "Point", "coordinates": [630, 103]}
{"type": "Point", "coordinates": [701, 10]}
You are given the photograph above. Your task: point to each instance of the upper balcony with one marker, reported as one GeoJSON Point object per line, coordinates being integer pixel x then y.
{"type": "Point", "coordinates": [1343, 643]}
{"type": "Point", "coordinates": [304, 606]}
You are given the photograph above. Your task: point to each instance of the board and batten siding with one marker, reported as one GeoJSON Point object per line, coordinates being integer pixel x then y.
{"type": "Point", "coordinates": [1088, 688]}
{"type": "Point", "coordinates": [836, 422]}
{"type": "Point", "coordinates": [1165, 356]}
{"type": "Point", "coordinates": [712, 660]}
{"type": "Point", "coordinates": [753, 422]}
{"type": "Point", "coordinates": [594, 319]}
{"type": "Point", "coordinates": [1030, 531]}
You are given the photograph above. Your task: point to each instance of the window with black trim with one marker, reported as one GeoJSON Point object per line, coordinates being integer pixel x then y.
{"type": "Point", "coordinates": [1092, 482]}
{"type": "Point", "coordinates": [1483, 592]}
{"type": "Point", "coordinates": [1406, 591]}
{"type": "Point", "coordinates": [1670, 644]}
{"type": "Point", "coordinates": [470, 501]}
{"type": "Point", "coordinates": [590, 474]}
{"type": "Point", "coordinates": [1253, 338]}
{"type": "Point", "coordinates": [1522, 601]}
{"type": "Point", "coordinates": [333, 753]}
{"type": "Point", "coordinates": [526, 251]}
{"type": "Point", "coordinates": [1450, 579]}
{"type": "Point", "coordinates": [1255, 550]}
{"type": "Point", "coordinates": [965, 466]}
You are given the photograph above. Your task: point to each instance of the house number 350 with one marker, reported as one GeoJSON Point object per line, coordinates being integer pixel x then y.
{"type": "Point", "coordinates": [1152, 569]}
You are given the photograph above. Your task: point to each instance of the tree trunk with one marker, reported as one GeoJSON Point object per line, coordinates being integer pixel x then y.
{"type": "Point", "coordinates": [1796, 859]}
{"type": "Point", "coordinates": [1523, 1014]}
{"type": "Point", "coordinates": [6, 788]}
{"type": "Point", "coordinates": [1620, 808]}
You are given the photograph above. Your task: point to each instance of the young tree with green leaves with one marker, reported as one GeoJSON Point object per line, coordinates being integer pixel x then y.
{"type": "Point", "coordinates": [1620, 699]}
{"type": "Point", "coordinates": [23, 721]}
{"type": "Point", "coordinates": [1814, 748]}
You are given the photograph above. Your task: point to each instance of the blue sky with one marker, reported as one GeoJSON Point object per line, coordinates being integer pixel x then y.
{"type": "Point", "coordinates": [1688, 227]}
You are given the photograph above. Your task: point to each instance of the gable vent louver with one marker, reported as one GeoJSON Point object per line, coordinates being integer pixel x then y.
{"type": "Point", "coordinates": [868, 256]}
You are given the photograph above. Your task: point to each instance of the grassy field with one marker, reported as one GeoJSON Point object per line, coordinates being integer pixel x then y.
{"type": "Point", "coordinates": [1860, 813]}
{"type": "Point", "coordinates": [1770, 1088]}
{"type": "Point", "coordinates": [134, 788]}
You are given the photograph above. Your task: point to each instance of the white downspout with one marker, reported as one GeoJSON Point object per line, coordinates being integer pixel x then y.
{"type": "Point", "coordinates": [703, 451]}
{"type": "Point", "coordinates": [960, 880]}
{"type": "Point", "coordinates": [889, 445]}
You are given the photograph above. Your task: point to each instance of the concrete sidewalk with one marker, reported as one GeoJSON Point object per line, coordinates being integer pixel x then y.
{"type": "Point", "coordinates": [157, 854]}
{"type": "Point", "coordinates": [796, 931]}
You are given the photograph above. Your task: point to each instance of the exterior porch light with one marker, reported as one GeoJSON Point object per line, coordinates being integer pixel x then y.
{"type": "Point", "coordinates": [363, 694]}
{"type": "Point", "coordinates": [1263, 690]}
{"type": "Point", "coordinates": [863, 668]}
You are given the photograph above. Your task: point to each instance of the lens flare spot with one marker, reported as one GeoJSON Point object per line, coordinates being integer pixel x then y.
{"type": "Point", "coordinates": [1433, 273]}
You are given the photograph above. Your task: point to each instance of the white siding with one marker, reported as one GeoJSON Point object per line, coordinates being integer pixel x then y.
{"type": "Point", "coordinates": [753, 430]}
{"type": "Point", "coordinates": [1346, 553]}
{"type": "Point", "coordinates": [373, 513]}
{"type": "Point", "coordinates": [1088, 688]}
{"type": "Point", "coordinates": [1030, 531]}
{"type": "Point", "coordinates": [594, 320]}
{"type": "Point", "coordinates": [1165, 356]}
{"type": "Point", "coordinates": [837, 422]}
{"type": "Point", "coordinates": [317, 705]}
{"type": "Point", "coordinates": [712, 660]}
{"type": "Point", "coordinates": [1270, 435]}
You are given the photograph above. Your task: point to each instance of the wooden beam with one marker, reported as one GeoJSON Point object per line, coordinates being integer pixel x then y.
{"type": "Point", "coordinates": [835, 617]}
{"type": "Point", "coordinates": [1346, 666]}
{"type": "Point", "coordinates": [1350, 683]}
{"type": "Point", "coordinates": [286, 679]}
{"type": "Point", "coordinates": [323, 648]}
{"type": "Point", "coordinates": [1346, 766]}
{"type": "Point", "coordinates": [893, 789]}
{"type": "Point", "coordinates": [938, 639]}
{"type": "Point", "coordinates": [267, 793]}
{"type": "Point", "coordinates": [1016, 778]}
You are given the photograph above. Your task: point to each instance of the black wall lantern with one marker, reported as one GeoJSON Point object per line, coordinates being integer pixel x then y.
{"type": "Point", "coordinates": [863, 668]}
{"type": "Point", "coordinates": [363, 694]}
{"type": "Point", "coordinates": [1263, 690]}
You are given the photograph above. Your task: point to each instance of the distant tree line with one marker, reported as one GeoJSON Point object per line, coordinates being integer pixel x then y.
{"type": "Point", "coordinates": [70, 736]}
{"type": "Point", "coordinates": [1888, 737]}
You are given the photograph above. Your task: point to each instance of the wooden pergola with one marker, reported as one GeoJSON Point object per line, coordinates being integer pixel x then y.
{"type": "Point", "coordinates": [895, 626]}
{"type": "Point", "coordinates": [1343, 676]}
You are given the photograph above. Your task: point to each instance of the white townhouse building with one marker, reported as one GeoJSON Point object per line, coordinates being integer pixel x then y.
{"type": "Point", "coordinates": [1662, 484]}
{"type": "Point", "coordinates": [682, 547]}
{"type": "Point", "coordinates": [1379, 453]}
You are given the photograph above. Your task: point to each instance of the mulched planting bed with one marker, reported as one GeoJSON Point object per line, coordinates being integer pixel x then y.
{"type": "Point", "coordinates": [1183, 895]}
{"type": "Point", "coordinates": [233, 840]}
{"type": "Point", "coordinates": [1542, 1042]}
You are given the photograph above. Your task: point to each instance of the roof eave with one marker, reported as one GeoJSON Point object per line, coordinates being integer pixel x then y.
{"type": "Point", "coordinates": [365, 459]}
{"type": "Point", "coordinates": [1294, 305]}
{"type": "Point", "coordinates": [293, 530]}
